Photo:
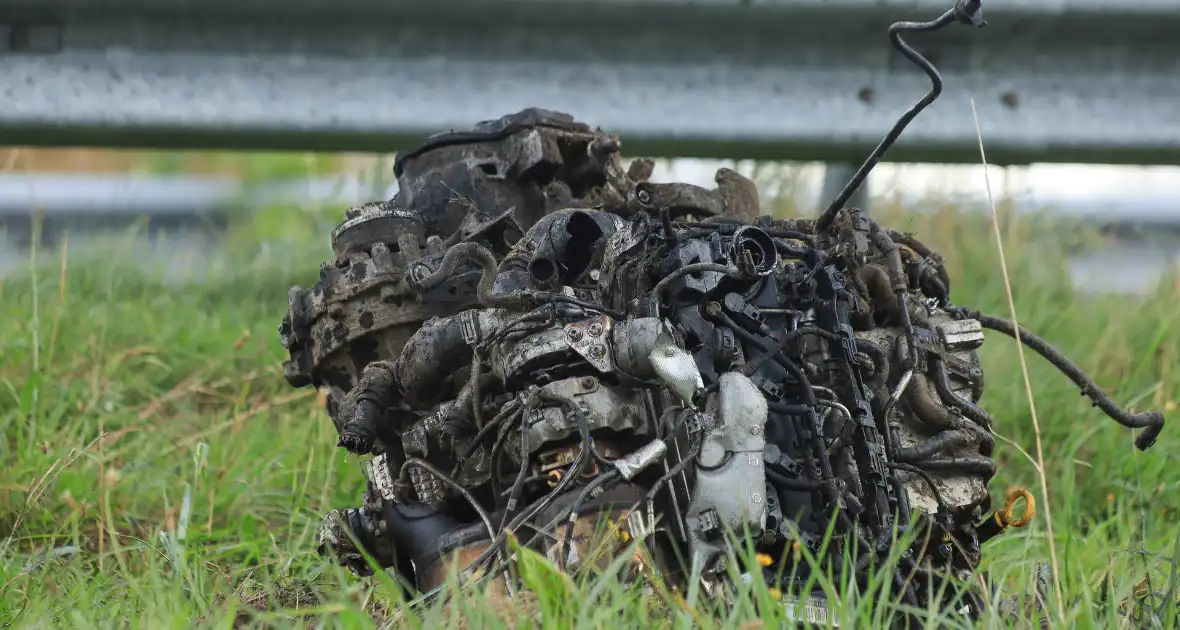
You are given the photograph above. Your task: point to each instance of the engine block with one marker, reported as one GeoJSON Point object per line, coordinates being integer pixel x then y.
{"type": "Point", "coordinates": [530, 339]}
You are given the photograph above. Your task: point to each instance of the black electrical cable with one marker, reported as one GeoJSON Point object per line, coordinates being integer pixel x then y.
{"type": "Point", "coordinates": [925, 476]}
{"type": "Point", "coordinates": [522, 518]}
{"type": "Point", "coordinates": [680, 272]}
{"type": "Point", "coordinates": [518, 485]}
{"type": "Point", "coordinates": [493, 456]}
{"type": "Point", "coordinates": [510, 409]}
{"type": "Point", "coordinates": [454, 485]}
{"type": "Point", "coordinates": [1152, 422]}
{"type": "Point", "coordinates": [672, 472]}
{"type": "Point", "coordinates": [476, 395]}
{"type": "Point", "coordinates": [543, 315]}
{"type": "Point", "coordinates": [609, 476]}
{"type": "Point", "coordinates": [669, 231]}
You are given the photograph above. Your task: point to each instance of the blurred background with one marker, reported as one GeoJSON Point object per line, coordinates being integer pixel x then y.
{"type": "Point", "coordinates": [179, 214]}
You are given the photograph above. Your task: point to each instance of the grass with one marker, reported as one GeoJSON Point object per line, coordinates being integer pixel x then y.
{"type": "Point", "coordinates": [158, 472]}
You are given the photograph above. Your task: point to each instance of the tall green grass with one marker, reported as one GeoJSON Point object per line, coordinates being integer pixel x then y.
{"type": "Point", "coordinates": [211, 474]}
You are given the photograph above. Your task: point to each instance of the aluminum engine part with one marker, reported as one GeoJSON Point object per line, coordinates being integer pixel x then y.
{"type": "Point", "coordinates": [587, 340]}
{"type": "Point", "coordinates": [645, 347]}
{"type": "Point", "coordinates": [729, 495]}
{"type": "Point", "coordinates": [518, 359]}
{"type": "Point", "coordinates": [619, 409]}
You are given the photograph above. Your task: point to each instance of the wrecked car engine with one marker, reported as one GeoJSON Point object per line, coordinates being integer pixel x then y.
{"type": "Point", "coordinates": [532, 340]}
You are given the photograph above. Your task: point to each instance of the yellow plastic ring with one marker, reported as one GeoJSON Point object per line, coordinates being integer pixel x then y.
{"type": "Point", "coordinates": [1030, 507]}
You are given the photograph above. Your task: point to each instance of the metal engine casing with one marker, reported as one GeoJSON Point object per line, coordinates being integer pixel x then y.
{"type": "Point", "coordinates": [530, 336]}
{"type": "Point", "coordinates": [486, 185]}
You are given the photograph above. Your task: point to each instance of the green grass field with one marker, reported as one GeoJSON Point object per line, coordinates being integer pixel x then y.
{"type": "Point", "coordinates": [156, 470]}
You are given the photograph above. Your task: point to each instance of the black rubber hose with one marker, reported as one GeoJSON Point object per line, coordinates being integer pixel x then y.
{"type": "Point", "coordinates": [967, 465]}
{"type": "Point", "coordinates": [509, 412]}
{"type": "Point", "coordinates": [892, 253]}
{"type": "Point", "coordinates": [360, 434]}
{"type": "Point", "coordinates": [803, 331]}
{"type": "Point", "coordinates": [941, 442]}
{"type": "Point", "coordinates": [1152, 421]}
{"type": "Point", "coordinates": [788, 409]}
{"type": "Point", "coordinates": [935, 288]}
{"type": "Point", "coordinates": [792, 235]}
{"type": "Point", "coordinates": [790, 253]}
{"type": "Point", "coordinates": [942, 383]}
{"type": "Point", "coordinates": [924, 402]}
{"type": "Point", "coordinates": [895, 30]}
{"type": "Point", "coordinates": [794, 483]}
{"type": "Point", "coordinates": [465, 251]}
{"type": "Point", "coordinates": [435, 351]}
{"type": "Point", "coordinates": [880, 363]}
{"type": "Point", "coordinates": [987, 443]}
{"type": "Point", "coordinates": [372, 396]}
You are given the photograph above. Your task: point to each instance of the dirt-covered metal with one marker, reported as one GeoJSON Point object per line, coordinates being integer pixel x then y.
{"type": "Point", "coordinates": [530, 339]}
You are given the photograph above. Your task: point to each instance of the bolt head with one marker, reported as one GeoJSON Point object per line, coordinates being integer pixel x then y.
{"type": "Point", "coordinates": [419, 272]}
{"type": "Point", "coordinates": [574, 334]}
{"type": "Point", "coordinates": [670, 352]}
{"type": "Point", "coordinates": [595, 329]}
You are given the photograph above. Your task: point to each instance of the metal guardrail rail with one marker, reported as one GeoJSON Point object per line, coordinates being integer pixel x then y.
{"type": "Point", "coordinates": [1054, 80]}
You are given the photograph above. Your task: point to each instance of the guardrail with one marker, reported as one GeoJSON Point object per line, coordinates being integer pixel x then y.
{"type": "Point", "coordinates": [1054, 80]}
